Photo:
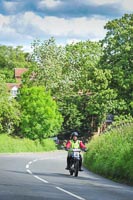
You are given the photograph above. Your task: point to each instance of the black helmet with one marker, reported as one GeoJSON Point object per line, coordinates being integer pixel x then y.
{"type": "Point", "coordinates": [74, 134]}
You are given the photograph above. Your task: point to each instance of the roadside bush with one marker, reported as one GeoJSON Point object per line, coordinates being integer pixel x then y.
{"type": "Point", "coordinates": [9, 144]}
{"type": "Point", "coordinates": [9, 110]}
{"type": "Point", "coordinates": [111, 154]}
{"type": "Point", "coordinates": [40, 117]}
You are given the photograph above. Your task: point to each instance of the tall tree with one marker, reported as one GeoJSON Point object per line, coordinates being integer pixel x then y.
{"type": "Point", "coordinates": [68, 72]}
{"type": "Point", "coordinates": [82, 59]}
{"type": "Point", "coordinates": [118, 58]}
{"type": "Point", "coordinates": [89, 93]}
{"type": "Point", "coordinates": [11, 58]}
{"type": "Point", "coordinates": [40, 116]}
{"type": "Point", "coordinates": [9, 110]}
{"type": "Point", "coordinates": [49, 59]}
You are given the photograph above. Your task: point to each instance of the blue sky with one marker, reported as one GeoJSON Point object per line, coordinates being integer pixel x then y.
{"type": "Point", "coordinates": [22, 21]}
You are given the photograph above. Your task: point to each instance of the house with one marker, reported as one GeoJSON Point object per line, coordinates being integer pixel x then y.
{"type": "Point", "coordinates": [13, 87]}
{"type": "Point", "coordinates": [18, 73]}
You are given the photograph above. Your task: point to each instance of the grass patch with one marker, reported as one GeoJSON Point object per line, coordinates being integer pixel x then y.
{"type": "Point", "coordinates": [9, 144]}
{"type": "Point", "coordinates": [111, 155]}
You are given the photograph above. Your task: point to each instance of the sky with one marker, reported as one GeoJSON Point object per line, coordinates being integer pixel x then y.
{"type": "Point", "coordinates": [23, 21]}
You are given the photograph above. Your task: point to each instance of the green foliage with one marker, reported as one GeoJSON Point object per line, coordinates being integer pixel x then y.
{"type": "Point", "coordinates": [9, 111]}
{"type": "Point", "coordinates": [88, 79]}
{"type": "Point", "coordinates": [118, 58]}
{"type": "Point", "coordinates": [9, 144]}
{"type": "Point", "coordinates": [11, 58]}
{"type": "Point", "coordinates": [81, 59]}
{"type": "Point", "coordinates": [49, 58]}
{"type": "Point", "coordinates": [40, 116]}
{"type": "Point", "coordinates": [111, 154]}
{"type": "Point", "coordinates": [66, 71]}
{"type": "Point", "coordinates": [122, 120]}
{"type": "Point", "coordinates": [69, 108]}
{"type": "Point", "coordinates": [84, 75]}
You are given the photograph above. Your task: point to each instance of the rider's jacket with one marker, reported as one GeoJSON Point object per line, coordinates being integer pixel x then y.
{"type": "Point", "coordinates": [71, 144]}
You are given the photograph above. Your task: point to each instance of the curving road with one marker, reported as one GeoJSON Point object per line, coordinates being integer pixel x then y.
{"type": "Point", "coordinates": [43, 176]}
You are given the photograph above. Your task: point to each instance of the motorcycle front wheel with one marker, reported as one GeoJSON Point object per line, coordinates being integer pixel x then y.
{"type": "Point", "coordinates": [76, 167]}
{"type": "Point", "coordinates": [71, 170]}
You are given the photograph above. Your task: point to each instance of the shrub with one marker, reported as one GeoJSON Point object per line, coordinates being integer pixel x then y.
{"type": "Point", "coordinates": [111, 154]}
{"type": "Point", "coordinates": [9, 144]}
{"type": "Point", "coordinates": [40, 116]}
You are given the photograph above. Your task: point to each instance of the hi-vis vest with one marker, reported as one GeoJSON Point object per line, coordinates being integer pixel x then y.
{"type": "Point", "coordinates": [75, 145]}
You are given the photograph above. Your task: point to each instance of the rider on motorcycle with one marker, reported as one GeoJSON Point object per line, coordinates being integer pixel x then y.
{"type": "Point", "coordinates": [74, 143]}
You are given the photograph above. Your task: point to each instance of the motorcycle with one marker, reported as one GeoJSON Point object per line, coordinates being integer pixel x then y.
{"type": "Point", "coordinates": [74, 162]}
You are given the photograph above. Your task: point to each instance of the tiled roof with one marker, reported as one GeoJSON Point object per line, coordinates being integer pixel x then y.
{"type": "Point", "coordinates": [20, 71]}
{"type": "Point", "coordinates": [11, 85]}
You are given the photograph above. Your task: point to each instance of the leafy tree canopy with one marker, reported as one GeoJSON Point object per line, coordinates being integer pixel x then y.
{"type": "Point", "coordinates": [40, 116]}
{"type": "Point", "coordinates": [118, 58]}
{"type": "Point", "coordinates": [11, 58]}
{"type": "Point", "coordinates": [49, 59]}
{"type": "Point", "coordinates": [9, 110]}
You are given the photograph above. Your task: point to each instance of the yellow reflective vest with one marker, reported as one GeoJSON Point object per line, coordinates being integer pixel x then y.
{"type": "Point", "coordinates": [75, 145]}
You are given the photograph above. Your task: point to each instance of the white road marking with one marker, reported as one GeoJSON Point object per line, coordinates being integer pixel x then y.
{"type": "Point", "coordinates": [29, 171]}
{"type": "Point", "coordinates": [45, 181]}
{"type": "Point", "coordinates": [27, 166]}
{"type": "Point", "coordinates": [41, 179]}
{"type": "Point", "coordinates": [74, 195]}
{"type": "Point", "coordinates": [34, 160]}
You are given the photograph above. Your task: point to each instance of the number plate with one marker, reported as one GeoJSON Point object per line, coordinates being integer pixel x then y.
{"type": "Point", "coordinates": [76, 154]}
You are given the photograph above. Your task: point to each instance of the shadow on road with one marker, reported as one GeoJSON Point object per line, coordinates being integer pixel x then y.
{"type": "Point", "coordinates": [49, 174]}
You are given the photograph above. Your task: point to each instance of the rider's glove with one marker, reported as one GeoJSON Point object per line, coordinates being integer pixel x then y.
{"type": "Point", "coordinates": [85, 150]}
{"type": "Point", "coordinates": [67, 149]}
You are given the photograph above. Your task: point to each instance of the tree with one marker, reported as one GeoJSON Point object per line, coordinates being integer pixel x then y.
{"type": "Point", "coordinates": [49, 59]}
{"type": "Point", "coordinates": [82, 59]}
{"type": "Point", "coordinates": [40, 116]}
{"type": "Point", "coordinates": [69, 71]}
{"type": "Point", "coordinates": [9, 111]}
{"type": "Point", "coordinates": [118, 58]}
{"type": "Point", "coordinates": [11, 58]}
{"type": "Point", "coordinates": [89, 90]}
{"type": "Point", "coordinates": [71, 114]}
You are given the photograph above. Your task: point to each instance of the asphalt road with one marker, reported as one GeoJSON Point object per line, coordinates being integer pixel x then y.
{"type": "Point", "coordinates": [42, 176]}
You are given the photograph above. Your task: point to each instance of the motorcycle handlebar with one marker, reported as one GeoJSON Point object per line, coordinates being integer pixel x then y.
{"type": "Point", "coordinates": [78, 150]}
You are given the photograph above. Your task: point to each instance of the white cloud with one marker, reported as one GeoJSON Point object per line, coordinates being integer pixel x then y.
{"type": "Point", "coordinates": [28, 26]}
{"type": "Point", "coordinates": [27, 48]}
{"type": "Point", "coordinates": [101, 2]}
{"type": "Point", "coordinates": [4, 20]}
{"type": "Point", "coordinates": [10, 6]}
{"type": "Point", "coordinates": [23, 28]}
{"type": "Point", "coordinates": [127, 5]}
{"type": "Point", "coordinates": [49, 4]}
{"type": "Point", "coordinates": [60, 27]}
{"type": "Point", "coordinates": [88, 27]}
{"type": "Point", "coordinates": [72, 41]}
{"type": "Point", "coordinates": [9, 34]}
{"type": "Point", "coordinates": [5, 30]}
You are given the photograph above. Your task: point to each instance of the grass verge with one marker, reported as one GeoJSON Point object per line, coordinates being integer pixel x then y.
{"type": "Point", "coordinates": [111, 155]}
{"type": "Point", "coordinates": [9, 144]}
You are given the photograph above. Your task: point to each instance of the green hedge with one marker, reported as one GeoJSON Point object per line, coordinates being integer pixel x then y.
{"type": "Point", "coordinates": [111, 154]}
{"type": "Point", "coordinates": [9, 144]}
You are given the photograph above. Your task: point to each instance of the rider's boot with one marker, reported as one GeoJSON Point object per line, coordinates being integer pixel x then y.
{"type": "Point", "coordinates": [80, 165]}
{"type": "Point", "coordinates": [80, 169]}
{"type": "Point", "coordinates": [67, 168]}
{"type": "Point", "coordinates": [68, 163]}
